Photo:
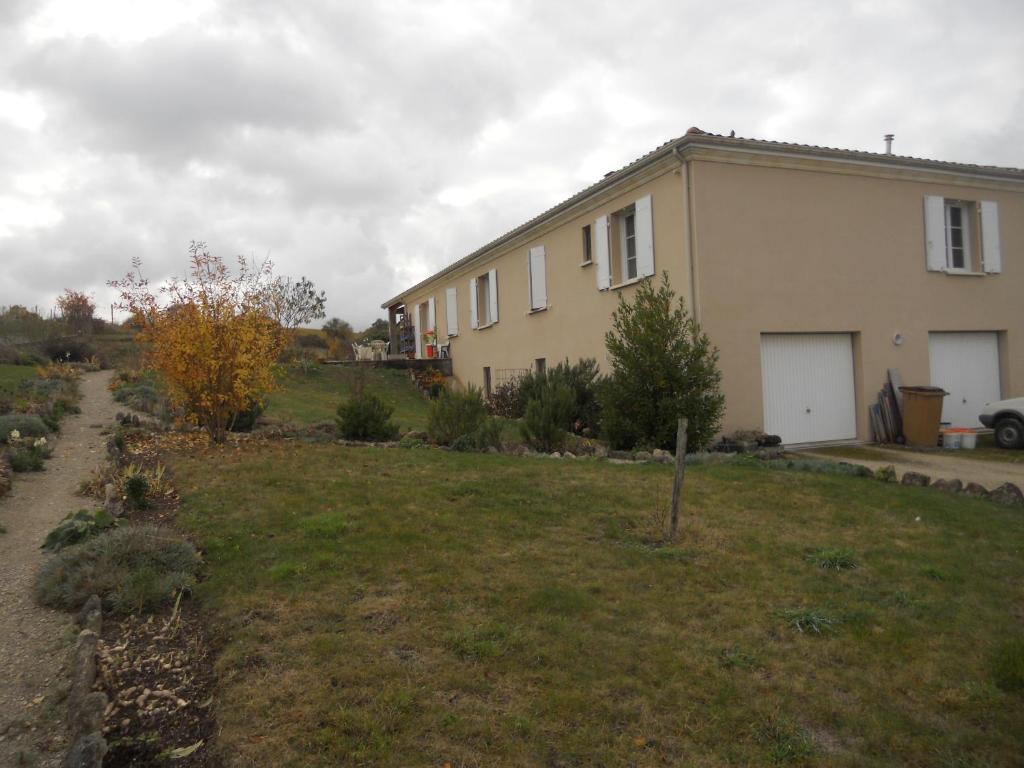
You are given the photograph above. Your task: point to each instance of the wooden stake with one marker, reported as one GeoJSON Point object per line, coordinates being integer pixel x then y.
{"type": "Point", "coordinates": [677, 481]}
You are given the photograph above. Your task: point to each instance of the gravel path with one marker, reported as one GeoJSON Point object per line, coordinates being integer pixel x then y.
{"type": "Point", "coordinates": [34, 641]}
{"type": "Point", "coordinates": [937, 464]}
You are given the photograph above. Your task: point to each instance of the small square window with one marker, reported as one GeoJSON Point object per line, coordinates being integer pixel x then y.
{"type": "Point", "coordinates": [587, 248]}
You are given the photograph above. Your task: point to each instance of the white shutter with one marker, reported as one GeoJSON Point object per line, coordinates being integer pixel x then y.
{"type": "Point", "coordinates": [474, 315]}
{"type": "Point", "coordinates": [417, 330]}
{"type": "Point", "coordinates": [538, 280]}
{"type": "Point", "coordinates": [644, 238]}
{"type": "Point", "coordinates": [991, 253]}
{"type": "Point", "coordinates": [601, 256]}
{"type": "Point", "coordinates": [431, 317]}
{"type": "Point", "coordinates": [492, 282]}
{"type": "Point", "coordinates": [935, 233]}
{"type": "Point", "coordinates": [451, 310]}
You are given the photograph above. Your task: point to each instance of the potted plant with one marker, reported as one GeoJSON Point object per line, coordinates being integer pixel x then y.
{"type": "Point", "coordinates": [430, 341]}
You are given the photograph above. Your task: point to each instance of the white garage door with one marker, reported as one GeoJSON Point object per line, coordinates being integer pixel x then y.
{"type": "Point", "coordinates": [967, 366]}
{"type": "Point", "coordinates": [808, 386]}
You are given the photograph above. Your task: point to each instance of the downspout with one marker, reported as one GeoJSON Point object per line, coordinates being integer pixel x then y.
{"type": "Point", "coordinates": [687, 168]}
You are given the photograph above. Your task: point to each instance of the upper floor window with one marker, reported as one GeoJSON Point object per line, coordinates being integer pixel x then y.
{"type": "Point", "coordinates": [962, 236]}
{"type": "Point", "coordinates": [587, 246]}
{"type": "Point", "coordinates": [538, 279]}
{"type": "Point", "coordinates": [483, 299]}
{"type": "Point", "coordinates": [627, 247]}
{"type": "Point", "coordinates": [624, 244]}
{"type": "Point", "coordinates": [958, 234]}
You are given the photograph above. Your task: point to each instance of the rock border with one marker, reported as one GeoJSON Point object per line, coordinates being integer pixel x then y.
{"type": "Point", "coordinates": [86, 707]}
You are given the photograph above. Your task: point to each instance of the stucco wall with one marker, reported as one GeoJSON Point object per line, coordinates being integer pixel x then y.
{"type": "Point", "coordinates": [579, 314]}
{"type": "Point", "coordinates": [780, 246]}
{"type": "Point", "coordinates": [785, 250]}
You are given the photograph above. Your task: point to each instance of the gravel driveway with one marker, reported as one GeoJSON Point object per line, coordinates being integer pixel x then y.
{"type": "Point", "coordinates": [34, 641]}
{"type": "Point", "coordinates": [938, 464]}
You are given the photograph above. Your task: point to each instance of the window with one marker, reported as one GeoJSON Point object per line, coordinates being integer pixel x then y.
{"type": "Point", "coordinates": [487, 381]}
{"type": "Point", "coordinates": [451, 310]}
{"type": "Point", "coordinates": [587, 257]}
{"type": "Point", "coordinates": [538, 279]}
{"type": "Point", "coordinates": [627, 247]}
{"type": "Point", "coordinates": [624, 245]}
{"type": "Point", "coordinates": [540, 364]}
{"type": "Point", "coordinates": [483, 300]}
{"type": "Point", "coordinates": [958, 235]}
{"type": "Point", "coordinates": [962, 236]}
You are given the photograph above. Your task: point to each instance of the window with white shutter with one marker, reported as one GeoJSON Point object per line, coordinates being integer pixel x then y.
{"type": "Point", "coordinates": [483, 300]}
{"type": "Point", "coordinates": [602, 255]}
{"type": "Point", "coordinates": [962, 236]}
{"type": "Point", "coordinates": [538, 279]}
{"type": "Point", "coordinates": [991, 254]}
{"type": "Point", "coordinates": [451, 311]}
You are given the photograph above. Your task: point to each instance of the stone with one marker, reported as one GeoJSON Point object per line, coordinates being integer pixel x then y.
{"type": "Point", "coordinates": [5, 475]}
{"type": "Point", "coordinates": [1007, 494]}
{"type": "Point", "coordinates": [492, 449]}
{"type": "Point", "coordinates": [659, 454]}
{"type": "Point", "coordinates": [601, 450]}
{"type": "Point", "coordinates": [111, 501]}
{"type": "Point", "coordinates": [915, 478]}
{"type": "Point", "coordinates": [620, 455]}
{"type": "Point", "coordinates": [86, 752]}
{"type": "Point", "coordinates": [886, 474]}
{"type": "Point", "coordinates": [91, 615]}
{"type": "Point", "coordinates": [975, 490]}
{"type": "Point", "coordinates": [88, 718]}
{"type": "Point", "coordinates": [83, 669]}
{"type": "Point", "coordinates": [949, 486]}
{"type": "Point", "coordinates": [555, 455]}
{"type": "Point", "coordinates": [643, 456]}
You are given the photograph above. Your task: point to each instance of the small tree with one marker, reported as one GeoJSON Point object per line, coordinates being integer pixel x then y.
{"type": "Point", "coordinates": [215, 339]}
{"type": "Point", "coordinates": [663, 368]}
{"type": "Point", "coordinates": [378, 330]}
{"type": "Point", "coordinates": [296, 303]}
{"type": "Point", "coordinates": [339, 329]}
{"type": "Point", "coordinates": [76, 309]}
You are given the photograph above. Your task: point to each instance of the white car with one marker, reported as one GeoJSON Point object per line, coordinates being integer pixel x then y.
{"type": "Point", "coordinates": [1006, 417]}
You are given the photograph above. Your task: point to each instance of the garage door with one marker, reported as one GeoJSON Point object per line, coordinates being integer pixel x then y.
{"type": "Point", "coordinates": [967, 366]}
{"type": "Point", "coordinates": [807, 380]}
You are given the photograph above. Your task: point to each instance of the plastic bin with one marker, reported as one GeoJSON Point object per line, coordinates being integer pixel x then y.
{"type": "Point", "coordinates": [950, 439]}
{"type": "Point", "coordinates": [922, 412]}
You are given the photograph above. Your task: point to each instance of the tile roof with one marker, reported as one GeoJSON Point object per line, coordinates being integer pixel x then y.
{"type": "Point", "coordinates": [696, 137]}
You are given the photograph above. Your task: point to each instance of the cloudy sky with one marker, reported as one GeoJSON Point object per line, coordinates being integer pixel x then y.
{"type": "Point", "coordinates": [366, 145]}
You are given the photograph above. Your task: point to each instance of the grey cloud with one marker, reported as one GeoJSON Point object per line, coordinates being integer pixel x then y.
{"type": "Point", "coordinates": [326, 133]}
{"type": "Point", "coordinates": [182, 95]}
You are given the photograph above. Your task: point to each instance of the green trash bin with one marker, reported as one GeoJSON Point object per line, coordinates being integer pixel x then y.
{"type": "Point", "coordinates": [922, 414]}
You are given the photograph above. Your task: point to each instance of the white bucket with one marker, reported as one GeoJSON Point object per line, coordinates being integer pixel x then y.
{"type": "Point", "coordinates": [951, 440]}
{"type": "Point", "coordinates": [969, 440]}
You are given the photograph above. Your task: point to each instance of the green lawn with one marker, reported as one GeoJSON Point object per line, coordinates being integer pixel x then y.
{"type": "Point", "coordinates": [422, 608]}
{"type": "Point", "coordinates": [986, 451]}
{"type": "Point", "coordinates": [308, 398]}
{"type": "Point", "coordinates": [11, 377]}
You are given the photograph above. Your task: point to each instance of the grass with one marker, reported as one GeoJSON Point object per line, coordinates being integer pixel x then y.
{"type": "Point", "coordinates": [986, 451]}
{"type": "Point", "coordinates": [416, 608]}
{"type": "Point", "coordinates": [308, 398]}
{"type": "Point", "coordinates": [11, 377]}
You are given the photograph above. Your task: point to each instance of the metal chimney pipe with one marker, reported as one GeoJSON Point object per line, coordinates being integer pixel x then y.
{"type": "Point", "coordinates": [888, 142]}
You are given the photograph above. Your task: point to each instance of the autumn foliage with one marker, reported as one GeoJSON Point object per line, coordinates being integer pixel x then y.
{"type": "Point", "coordinates": [76, 308]}
{"type": "Point", "coordinates": [213, 336]}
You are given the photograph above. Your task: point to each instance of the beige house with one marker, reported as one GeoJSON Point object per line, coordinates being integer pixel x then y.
{"type": "Point", "coordinates": [813, 270]}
